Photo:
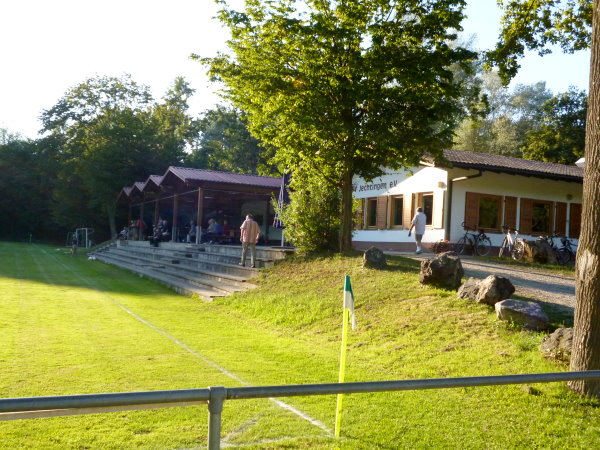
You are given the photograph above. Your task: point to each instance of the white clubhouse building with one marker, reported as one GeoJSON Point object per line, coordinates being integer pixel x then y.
{"type": "Point", "coordinates": [482, 191]}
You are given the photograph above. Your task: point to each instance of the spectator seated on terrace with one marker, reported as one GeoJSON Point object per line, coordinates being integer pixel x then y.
{"type": "Point", "coordinates": [161, 233]}
{"type": "Point", "coordinates": [213, 234]}
{"type": "Point", "coordinates": [190, 230]}
{"type": "Point", "coordinates": [123, 234]}
{"type": "Point", "coordinates": [228, 234]}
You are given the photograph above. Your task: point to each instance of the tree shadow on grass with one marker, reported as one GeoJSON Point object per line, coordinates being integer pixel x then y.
{"type": "Point", "coordinates": [401, 264]}
{"type": "Point", "coordinates": [56, 266]}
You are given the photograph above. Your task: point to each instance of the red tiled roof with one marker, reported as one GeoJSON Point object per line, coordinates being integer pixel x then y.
{"type": "Point", "coordinates": [515, 166]}
{"type": "Point", "coordinates": [186, 174]}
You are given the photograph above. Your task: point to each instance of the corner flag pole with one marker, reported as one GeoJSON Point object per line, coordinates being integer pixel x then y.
{"type": "Point", "coordinates": [348, 310]}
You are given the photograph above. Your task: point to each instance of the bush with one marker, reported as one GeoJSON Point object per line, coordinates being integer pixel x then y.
{"type": "Point", "coordinates": [312, 218]}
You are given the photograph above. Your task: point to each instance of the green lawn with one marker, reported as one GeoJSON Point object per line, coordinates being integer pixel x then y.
{"type": "Point", "coordinates": [73, 326]}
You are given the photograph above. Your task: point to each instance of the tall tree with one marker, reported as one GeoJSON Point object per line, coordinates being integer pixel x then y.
{"type": "Point", "coordinates": [226, 144]}
{"type": "Point", "coordinates": [345, 88]}
{"type": "Point", "coordinates": [510, 115]}
{"type": "Point", "coordinates": [574, 24]}
{"type": "Point", "coordinates": [27, 176]}
{"type": "Point", "coordinates": [559, 135]}
{"type": "Point", "coordinates": [113, 132]}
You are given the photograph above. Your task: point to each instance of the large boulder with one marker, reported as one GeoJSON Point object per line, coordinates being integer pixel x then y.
{"type": "Point", "coordinates": [559, 345]}
{"type": "Point", "coordinates": [539, 251]}
{"type": "Point", "coordinates": [529, 314]}
{"type": "Point", "coordinates": [490, 290]}
{"type": "Point", "coordinates": [444, 270]}
{"type": "Point", "coordinates": [374, 259]}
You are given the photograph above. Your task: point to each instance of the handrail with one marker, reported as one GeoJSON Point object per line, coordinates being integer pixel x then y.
{"type": "Point", "coordinates": [14, 408]}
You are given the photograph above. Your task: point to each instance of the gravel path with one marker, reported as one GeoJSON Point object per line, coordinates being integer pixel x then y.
{"type": "Point", "coordinates": [537, 285]}
{"type": "Point", "coordinates": [556, 290]}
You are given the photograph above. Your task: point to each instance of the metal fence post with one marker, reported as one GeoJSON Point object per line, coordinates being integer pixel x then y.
{"type": "Point", "coordinates": [215, 407]}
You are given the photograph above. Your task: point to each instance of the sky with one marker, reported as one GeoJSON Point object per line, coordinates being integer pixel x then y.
{"type": "Point", "coordinates": [47, 47]}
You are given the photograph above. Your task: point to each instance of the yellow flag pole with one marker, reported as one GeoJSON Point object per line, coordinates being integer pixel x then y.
{"type": "Point", "coordinates": [338, 412]}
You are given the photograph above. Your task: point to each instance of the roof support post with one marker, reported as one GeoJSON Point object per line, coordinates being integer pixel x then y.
{"type": "Point", "coordinates": [156, 211]}
{"type": "Point", "coordinates": [199, 218]}
{"type": "Point", "coordinates": [141, 223]}
{"type": "Point", "coordinates": [175, 215]}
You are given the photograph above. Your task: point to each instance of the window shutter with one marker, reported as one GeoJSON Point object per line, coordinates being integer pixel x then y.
{"type": "Point", "coordinates": [472, 210]}
{"type": "Point", "coordinates": [526, 216]}
{"type": "Point", "coordinates": [575, 221]}
{"type": "Point", "coordinates": [382, 212]}
{"type": "Point", "coordinates": [510, 212]}
{"type": "Point", "coordinates": [407, 216]}
{"type": "Point", "coordinates": [560, 224]}
{"type": "Point", "coordinates": [438, 209]}
{"type": "Point", "coordinates": [359, 216]}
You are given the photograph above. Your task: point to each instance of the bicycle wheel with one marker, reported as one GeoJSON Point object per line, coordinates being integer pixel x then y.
{"type": "Point", "coordinates": [518, 250]}
{"type": "Point", "coordinates": [461, 245]}
{"type": "Point", "coordinates": [563, 256]}
{"type": "Point", "coordinates": [503, 248]}
{"type": "Point", "coordinates": [483, 245]}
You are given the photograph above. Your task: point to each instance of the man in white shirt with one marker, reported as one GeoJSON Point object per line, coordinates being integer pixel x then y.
{"type": "Point", "coordinates": [418, 223]}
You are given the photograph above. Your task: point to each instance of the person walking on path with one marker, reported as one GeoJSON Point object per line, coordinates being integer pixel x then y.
{"type": "Point", "coordinates": [418, 223]}
{"type": "Point", "coordinates": [250, 232]}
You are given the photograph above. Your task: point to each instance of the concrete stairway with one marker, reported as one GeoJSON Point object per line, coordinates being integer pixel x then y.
{"type": "Point", "coordinates": [207, 271]}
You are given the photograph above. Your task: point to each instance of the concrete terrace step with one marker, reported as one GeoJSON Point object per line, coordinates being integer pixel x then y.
{"type": "Point", "coordinates": [206, 270]}
{"type": "Point", "coordinates": [264, 253]}
{"type": "Point", "coordinates": [231, 269]}
{"type": "Point", "coordinates": [178, 285]}
{"type": "Point", "coordinates": [222, 258]}
{"type": "Point", "coordinates": [187, 270]}
{"type": "Point", "coordinates": [199, 254]}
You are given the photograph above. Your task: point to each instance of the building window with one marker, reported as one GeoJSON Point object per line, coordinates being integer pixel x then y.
{"type": "Point", "coordinates": [489, 212]}
{"type": "Point", "coordinates": [541, 214]}
{"type": "Point", "coordinates": [425, 201]}
{"type": "Point", "coordinates": [397, 211]}
{"type": "Point", "coordinates": [371, 215]}
{"type": "Point", "coordinates": [483, 211]}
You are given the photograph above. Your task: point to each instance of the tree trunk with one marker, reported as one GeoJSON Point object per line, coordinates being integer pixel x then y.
{"type": "Point", "coordinates": [346, 232]}
{"type": "Point", "coordinates": [111, 211]}
{"type": "Point", "coordinates": [586, 339]}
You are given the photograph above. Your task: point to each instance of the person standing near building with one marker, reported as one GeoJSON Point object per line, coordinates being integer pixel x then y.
{"type": "Point", "coordinates": [418, 223]}
{"type": "Point", "coordinates": [250, 232]}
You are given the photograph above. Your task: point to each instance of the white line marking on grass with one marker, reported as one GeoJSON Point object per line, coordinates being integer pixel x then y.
{"type": "Point", "coordinates": [183, 345]}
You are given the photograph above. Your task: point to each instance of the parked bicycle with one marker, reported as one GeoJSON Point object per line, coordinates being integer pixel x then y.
{"type": "Point", "coordinates": [479, 242]}
{"type": "Point", "coordinates": [512, 245]}
{"type": "Point", "coordinates": [565, 254]}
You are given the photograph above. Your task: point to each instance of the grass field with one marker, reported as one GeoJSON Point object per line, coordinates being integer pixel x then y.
{"type": "Point", "coordinates": [73, 326]}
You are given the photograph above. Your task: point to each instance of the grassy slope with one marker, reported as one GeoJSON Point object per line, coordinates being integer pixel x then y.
{"type": "Point", "coordinates": [66, 331]}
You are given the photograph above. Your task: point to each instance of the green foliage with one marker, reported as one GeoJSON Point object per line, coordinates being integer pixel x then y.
{"type": "Point", "coordinates": [312, 218]}
{"type": "Point", "coordinates": [226, 144]}
{"type": "Point", "coordinates": [527, 122]}
{"type": "Point", "coordinates": [113, 133]}
{"type": "Point", "coordinates": [560, 135]}
{"type": "Point", "coordinates": [509, 117]}
{"type": "Point", "coordinates": [6, 136]}
{"type": "Point", "coordinates": [537, 24]}
{"type": "Point", "coordinates": [27, 177]}
{"type": "Point", "coordinates": [345, 88]}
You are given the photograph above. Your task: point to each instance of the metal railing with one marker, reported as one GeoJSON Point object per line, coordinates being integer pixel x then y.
{"type": "Point", "coordinates": [34, 407]}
